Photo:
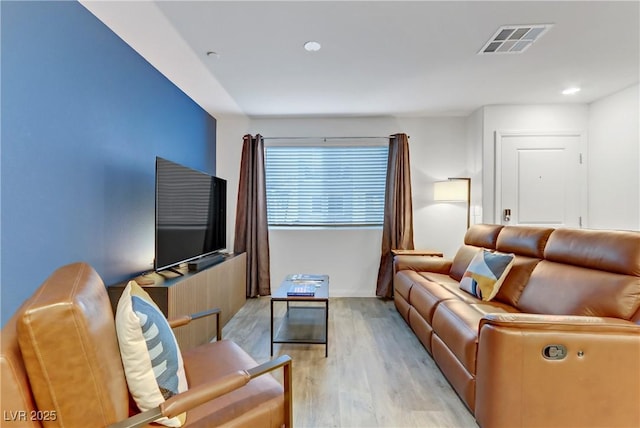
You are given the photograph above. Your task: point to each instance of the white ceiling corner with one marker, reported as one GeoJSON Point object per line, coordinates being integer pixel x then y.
{"type": "Point", "coordinates": [143, 26]}
{"type": "Point", "coordinates": [378, 58]}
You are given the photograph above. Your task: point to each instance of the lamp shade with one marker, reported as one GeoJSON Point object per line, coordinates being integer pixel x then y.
{"type": "Point", "coordinates": [450, 191]}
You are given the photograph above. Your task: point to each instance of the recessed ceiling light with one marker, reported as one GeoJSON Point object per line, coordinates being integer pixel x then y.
{"type": "Point", "coordinates": [312, 46]}
{"type": "Point", "coordinates": [571, 91]}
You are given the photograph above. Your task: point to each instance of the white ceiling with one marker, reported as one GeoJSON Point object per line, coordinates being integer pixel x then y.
{"type": "Point", "coordinates": [411, 58]}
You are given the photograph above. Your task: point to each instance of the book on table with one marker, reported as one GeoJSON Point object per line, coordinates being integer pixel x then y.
{"type": "Point", "coordinates": [302, 290]}
{"type": "Point", "coordinates": [306, 279]}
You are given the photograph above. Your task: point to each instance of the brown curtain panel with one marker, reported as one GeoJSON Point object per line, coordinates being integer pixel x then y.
{"type": "Point", "coordinates": [252, 234]}
{"type": "Point", "coordinates": [397, 231]}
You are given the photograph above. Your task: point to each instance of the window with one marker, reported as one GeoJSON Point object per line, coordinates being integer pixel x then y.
{"type": "Point", "coordinates": [325, 186]}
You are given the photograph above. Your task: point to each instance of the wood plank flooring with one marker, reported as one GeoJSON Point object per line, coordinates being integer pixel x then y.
{"type": "Point", "coordinates": [377, 373]}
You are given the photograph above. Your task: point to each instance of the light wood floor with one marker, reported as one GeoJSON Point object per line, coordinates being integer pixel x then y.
{"type": "Point", "coordinates": [377, 373]}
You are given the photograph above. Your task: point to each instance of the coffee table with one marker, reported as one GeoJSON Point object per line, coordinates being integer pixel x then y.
{"type": "Point", "coordinates": [307, 323]}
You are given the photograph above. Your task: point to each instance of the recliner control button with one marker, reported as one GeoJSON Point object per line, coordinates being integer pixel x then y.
{"type": "Point", "coordinates": [554, 352]}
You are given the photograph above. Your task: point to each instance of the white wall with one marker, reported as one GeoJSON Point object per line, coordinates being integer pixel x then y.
{"type": "Point", "coordinates": [443, 147]}
{"type": "Point", "coordinates": [614, 161]}
{"type": "Point", "coordinates": [438, 151]}
{"type": "Point", "coordinates": [351, 256]}
{"type": "Point", "coordinates": [560, 117]}
{"type": "Point", "coordinates": [474, 125]}
{"type": "Point", "coordinates": [229, 132]}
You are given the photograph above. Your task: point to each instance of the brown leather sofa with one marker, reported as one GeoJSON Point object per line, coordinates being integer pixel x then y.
{"type": "Point", "coordinates": [60, 366]}
{"type": "Point", "coordinates": [558, 346]}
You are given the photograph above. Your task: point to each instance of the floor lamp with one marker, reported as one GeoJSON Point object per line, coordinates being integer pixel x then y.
{"type": "Point", "coordinates": [455, 189]}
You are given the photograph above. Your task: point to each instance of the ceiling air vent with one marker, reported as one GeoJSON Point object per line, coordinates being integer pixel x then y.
{"type": "Point", "coordinates": [511, 39]}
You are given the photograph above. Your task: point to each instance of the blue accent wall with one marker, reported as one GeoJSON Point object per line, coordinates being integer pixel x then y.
{"type": "Point", "coordinates": [83, 118]}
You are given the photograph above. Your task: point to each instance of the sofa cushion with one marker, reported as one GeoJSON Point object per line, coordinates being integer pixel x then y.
{"type": "Point", "coordinates": [439, 278]}
{"type": "Point", "coordinates": [478, 236]}
{"type": "Point", "coordinates": [458, 376]}
{"type": "Point", "coordinates": [461, 261]}
{"type": "Point", "coordinates": [150, 353]}
{"type": "Point", "coordinates": [493, 307]}
{"type": "Point", "coordinates": [450, 285]}
{"type": "Point", "coordinates": [456, 324]}
{"type": "Point", "coordinates": [516, 280]}
{"type": "Point", "coordinates": [426, 295]}
{"type": "Point", "coordinates": [421, 328]}
{"type": "Point", "coordinates": [257, 404]}
{"type": "Point", "coordinates": [523, 240]}
{"type": "Point", "coordinates": [483, 235]}
{"type": "Point", "coordinates": [611, 251]}
{"type": "Point", "coordinates": [486, 273]}
{"type": "Point", "coordinates": [560, 289]}
{"type": "Point", "coordinates": [402, 306]}
{"type": "Point", "coordinates": [402, 283]}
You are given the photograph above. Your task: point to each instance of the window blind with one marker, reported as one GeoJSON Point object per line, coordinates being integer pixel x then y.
{"type": "Point", "coordinates": [325, 185]}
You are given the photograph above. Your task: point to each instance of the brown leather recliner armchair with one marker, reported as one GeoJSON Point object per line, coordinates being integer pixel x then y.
{"type": "Point", "coordinates": [61, 366]}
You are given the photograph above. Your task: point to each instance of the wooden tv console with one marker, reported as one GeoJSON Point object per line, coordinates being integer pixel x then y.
{"type": "Point", "coordinates": [220, 286]}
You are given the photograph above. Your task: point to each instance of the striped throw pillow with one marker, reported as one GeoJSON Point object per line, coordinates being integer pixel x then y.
{"type": "Point", "coordinates": [150, 353]}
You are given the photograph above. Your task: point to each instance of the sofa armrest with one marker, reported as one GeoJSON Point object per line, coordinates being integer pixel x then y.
{"type": "Point", "coordinates": [546, 370]}
{"type": "Point", "coordinates": [421, 264]}
{"type": "Point", "coordinates": [194, 397]}
{"type": "Point", "coordinates": [560, 323]}
{"type": "Point", "coordinates": [186, 319]}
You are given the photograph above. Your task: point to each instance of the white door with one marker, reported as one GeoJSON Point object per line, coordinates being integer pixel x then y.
{"type": "Point", "coordinates": [540, 179]}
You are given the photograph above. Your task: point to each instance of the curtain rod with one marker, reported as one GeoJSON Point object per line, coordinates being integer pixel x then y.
{"type": "Point", "coordinates": [325, 138]}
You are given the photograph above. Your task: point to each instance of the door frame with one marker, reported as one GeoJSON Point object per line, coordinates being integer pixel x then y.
{"type": "Point", "coordinates": [582, 179]}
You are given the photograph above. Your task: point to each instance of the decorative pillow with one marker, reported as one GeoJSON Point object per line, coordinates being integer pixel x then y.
{"type": "Point", "coordinates": [486, 273]}
{"type": "Point", "coordinates": [150, 354]}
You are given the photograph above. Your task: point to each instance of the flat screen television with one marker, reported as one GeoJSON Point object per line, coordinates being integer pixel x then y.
{"type": "Point", "coordinates": [190, 214]}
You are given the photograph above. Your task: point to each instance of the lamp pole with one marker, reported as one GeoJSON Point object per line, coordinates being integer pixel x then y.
{"type": "Point", "coordinates": [468, 180]}
{"type": "Point", "coordinates": [448, 191]}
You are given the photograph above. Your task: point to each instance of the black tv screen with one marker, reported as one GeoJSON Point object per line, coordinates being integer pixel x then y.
{"type": "Point", "coordinates": [190, 214]}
